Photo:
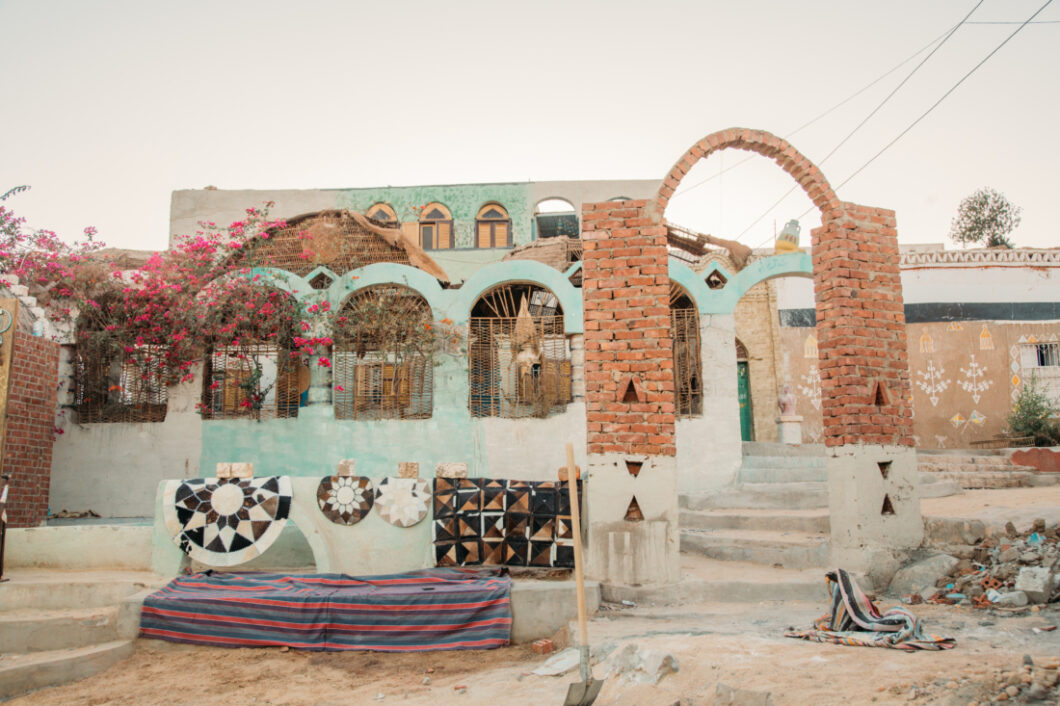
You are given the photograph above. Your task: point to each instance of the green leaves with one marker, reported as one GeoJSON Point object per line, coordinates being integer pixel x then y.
{"type": "Point", "coordinates": [985, 218]}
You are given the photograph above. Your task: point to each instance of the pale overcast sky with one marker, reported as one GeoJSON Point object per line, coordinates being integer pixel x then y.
{"type": "Point", "coordinates": [110, 106]}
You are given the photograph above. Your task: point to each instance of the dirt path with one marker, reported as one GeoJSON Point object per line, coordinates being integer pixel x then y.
{"type": "Point", "coordinates": [738, 644]}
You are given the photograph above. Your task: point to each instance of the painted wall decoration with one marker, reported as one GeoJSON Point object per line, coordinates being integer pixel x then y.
{"type": "Point", "coordinates": [986, 341]}
{"type": "Point", "coordinates": [977, 382]}
{"type": "Point", "coordinates": [811, 386]}
{"type": "Point", "coordinates": [403, 501]}
{"type": "Point", "coordinates": [926, 344]}
{"type": "Point", "coordinates": [228, 521]}
{"type": "Point", "coordinates": [506, 522]}
{"type": "Point", "coordinates": [345, 500]}
{"type": "Point", "coordinates": [932, 382]}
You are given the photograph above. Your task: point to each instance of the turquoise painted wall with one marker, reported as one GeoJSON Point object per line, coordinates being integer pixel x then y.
{"type": "Point", "coordinates": [462, 200]}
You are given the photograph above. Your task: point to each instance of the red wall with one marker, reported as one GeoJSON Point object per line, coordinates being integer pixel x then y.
{"type": "Point", "coordinates": [30, 428]}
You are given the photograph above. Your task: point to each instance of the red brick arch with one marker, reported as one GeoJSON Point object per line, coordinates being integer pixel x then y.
{"type": "Point", "coordinates": [802, 170]}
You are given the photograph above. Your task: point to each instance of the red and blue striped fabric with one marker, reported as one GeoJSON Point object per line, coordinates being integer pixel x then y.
{"type": "Point", "coordinates": [432, 609]}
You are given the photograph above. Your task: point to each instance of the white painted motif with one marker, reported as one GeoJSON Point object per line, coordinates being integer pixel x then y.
{"type": "Point", "coordinates": [932, 382]}
{"type": "Point", "coordinates": [976, 382]}
{"type": "Point", "coordinates": [812, 386]}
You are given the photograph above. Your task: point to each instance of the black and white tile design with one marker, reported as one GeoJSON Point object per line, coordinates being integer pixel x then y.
{"type": "Point", "coordinates": [507, 522]}
{"type": "Point", "coordinates": [228, 521]}
{"type": "Point", "coordinates": [345, 500]}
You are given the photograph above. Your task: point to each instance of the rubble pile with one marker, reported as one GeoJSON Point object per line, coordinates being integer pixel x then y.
{"type": "Point", "coordinates": [1011, 570]}
{"type": "Point", "coordinates": [1030, 683]}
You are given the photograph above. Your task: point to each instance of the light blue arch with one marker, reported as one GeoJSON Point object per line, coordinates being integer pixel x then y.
{"type": "Point", "coordinates": [520, 271]}
{"type": "Point", "coordinates": [724, 300]}
{"type": "Point", "coordinates": [389, 273]}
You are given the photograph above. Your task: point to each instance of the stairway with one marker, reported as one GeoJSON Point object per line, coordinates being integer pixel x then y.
{"type": "Point", "coordinates": [979, 468]}
{"type": "Point", "coordinates": [766, 537]}
{"type": "Point", "coordinates": [60, 626]}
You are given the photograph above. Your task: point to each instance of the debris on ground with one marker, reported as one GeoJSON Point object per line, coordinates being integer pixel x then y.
{"type": "Point", "coordinates": [1010, 570]}
{"type": "Point", "coordinates": [645, 666]}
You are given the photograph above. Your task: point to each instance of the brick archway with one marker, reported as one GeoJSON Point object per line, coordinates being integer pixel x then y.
{"type": "Point", "coordinates": [801, 169]}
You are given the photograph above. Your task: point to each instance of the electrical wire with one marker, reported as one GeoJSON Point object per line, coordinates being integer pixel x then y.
{"type": "Point", "coordinates": [939, 101]}
{"type": "Point", "coordinates": [825, 114]}
{"type": "Point", "coordinates": [866, 119]}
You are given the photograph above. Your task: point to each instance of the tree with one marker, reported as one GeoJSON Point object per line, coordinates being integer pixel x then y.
{"type": "Point", "coordinates": [985, 217]}
{"type": "Point", "coordinates": [1034, 414]}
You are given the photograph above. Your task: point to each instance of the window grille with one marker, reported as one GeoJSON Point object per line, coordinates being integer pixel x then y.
{"type": "Point", "coordinates": [383, 363]}
{"type": "Point", "coordinates": [256, 382]}
{"type": "Point", "coordinates": [684, 330]}
{"type": "Point", "coordinates": [519, 362]}
{"type": "Point", "coordinates": [1041, 362]}
{"type": "Point", "coordinates": [126, 387]}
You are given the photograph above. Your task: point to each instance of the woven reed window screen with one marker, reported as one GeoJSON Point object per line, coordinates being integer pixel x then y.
{"type": "Point", "coordinates": [688, 366]}
{"type": "Point", "coordinates": [126, 387]}
{"type": "Point", "coordinates": [251, 381]}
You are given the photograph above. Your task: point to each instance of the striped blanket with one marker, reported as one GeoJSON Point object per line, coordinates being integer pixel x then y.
{"type": "Point", "coordinates": [855, 620]}
{"type": "Point", "coordinates": [433, 609]}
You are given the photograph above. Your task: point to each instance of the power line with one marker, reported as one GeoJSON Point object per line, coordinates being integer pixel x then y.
{"type": "Point", "coordinates": [826, 113]}
{"type": "Point", "coordinates": [939, 101]}
{"type": "Point", "coordinates": [868, 117]}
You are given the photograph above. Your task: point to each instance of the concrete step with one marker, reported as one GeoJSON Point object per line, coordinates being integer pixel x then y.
{"type": "Point", "coordinates": [22, 673]}
{"type": "Point", "coordinates": [795, 473]}
{"type": "Point", "coordinates": [790, 496]}
{"type": "Point", "coordinates": [58, 590]}
{"type": "Point", "coordinates": [709, 580]}
{"type": "Point", "coordinates": [28, 630]}
{"type": "Point", "coordinates": [976, 480]}
{"type": "Point", "coordinates": [789, 550]}
{"type": "Point", "coordinates": [759, 449]}
{"type": "Point", "coordinates": [931, 486]}
{"type": "Point", "coordinates": [991, 467]}
{"type": "Point", "coordinates": [808, 521]}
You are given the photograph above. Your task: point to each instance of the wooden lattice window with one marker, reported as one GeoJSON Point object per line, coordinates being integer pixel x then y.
{"type": "Point", "coordinates": [493, 227]}
{"type": "Point", "coordinates": [383, 362]}
{"type": "Point", "coordinates": [436, 228]}
{"type": "Point", "coordinates": [688, 367]}
{"type": "Point", "coordinates": [257, 381]}
{"type": "Point", "coordinates": [124, 387]}
{"type": "Point", "coordinates": [519, 362]}
{"type": "Point", "coordinates": [383, 213]}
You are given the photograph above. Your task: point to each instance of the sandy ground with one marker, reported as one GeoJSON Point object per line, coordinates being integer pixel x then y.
{"type": "Point", "coordinates": [738, 644]}
{"type": "Point", "coordinates": [741, 645]}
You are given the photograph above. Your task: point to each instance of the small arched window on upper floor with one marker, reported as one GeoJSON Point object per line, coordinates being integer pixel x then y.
{"type": "Point", "coordinates": [436, 227]}
{"type": "Point", "coordinates": [493, 227]}
{"type": "Point", "coordinates": [383, 213]}
{"type": "Point", "coordinates": [554, 217]}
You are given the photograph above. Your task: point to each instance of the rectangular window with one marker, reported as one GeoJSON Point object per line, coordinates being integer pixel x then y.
{"type": "Point", "coordinates": [1041, 362]}
{"type": "Point", "coordinates": [127, 388]}
{"type": "Point", "coordinates": [377, 386]}
{"type": "Point", "coordinates": [259, 382]}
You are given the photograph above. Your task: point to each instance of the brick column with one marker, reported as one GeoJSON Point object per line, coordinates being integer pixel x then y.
{"type": "Point", "coordinates": [629, 395]}
{"type": "Point", "coordinates": [874, 494]}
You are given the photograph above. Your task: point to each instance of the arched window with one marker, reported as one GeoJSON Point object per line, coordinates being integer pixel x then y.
{"type": "Point", "coordinates": [684, 329]}
{"type": "Point", "coordinates": [519, 362]}
{"type": "Point", "coordinates": [493, 227]}
{"type": "Point", "coordinates": [383, 213]}
{"type": "Point", "coordinates": [436, 228]}
{"type": "Point", "coordinates": [249, 371]}
{"type": "Point", "coordinates": [554, 217]}
{"type": "Point", "coordinates": [383, 357]}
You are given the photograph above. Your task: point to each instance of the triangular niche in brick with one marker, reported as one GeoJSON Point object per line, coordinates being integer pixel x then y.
{"type": "Point", "coordinates": [887, 509]}
{"type": "Point", "coordinates": [633, 513]}
{"type": "Point", "coordinates": [880, 396]}
{"type": "Point", "coordinates": [630, 391]}
{"type": "Point", "coordinates": [634, 467]}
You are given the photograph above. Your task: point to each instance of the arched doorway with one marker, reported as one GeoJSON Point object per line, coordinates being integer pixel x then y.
{"type": "Point", "coordinates": [743, 393]}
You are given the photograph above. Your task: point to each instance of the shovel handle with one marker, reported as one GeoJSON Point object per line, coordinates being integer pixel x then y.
{"type": "Point", "coordinates": [576, 530]}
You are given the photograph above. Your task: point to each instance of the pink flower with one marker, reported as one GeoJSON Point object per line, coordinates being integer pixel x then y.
{"type": "Point", "coordinates": [323, 362]}
{"type": "Point", "coordinates": [339, 388]}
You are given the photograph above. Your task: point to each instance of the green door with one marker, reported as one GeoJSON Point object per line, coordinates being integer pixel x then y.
{"type": "Point", "coordinates": [743, 379]}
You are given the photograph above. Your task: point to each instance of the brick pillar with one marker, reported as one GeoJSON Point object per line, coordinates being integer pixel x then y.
{"type": "Point", "coordinates": [629, 396]}
{"type": "Point", "coordinates": [30, 430]}
{"type": "Point", "coordinates": [874, 496]}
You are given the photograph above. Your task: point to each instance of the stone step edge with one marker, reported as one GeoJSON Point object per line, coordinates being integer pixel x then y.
{"type": "Point", "coordinates": [21, 674]}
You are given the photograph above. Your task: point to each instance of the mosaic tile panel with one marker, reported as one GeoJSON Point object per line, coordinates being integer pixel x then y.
{"type": "Point", "coordinates": [345, 500]}
{"type": "Point", "coordinates": [505, 522]}
{"type": "Point", "coordinates": [403, 501]}
{"type": "Point", "coordinates": [227, 521]}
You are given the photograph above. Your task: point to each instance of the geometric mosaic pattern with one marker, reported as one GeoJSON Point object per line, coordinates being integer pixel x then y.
{"type": "Point", "coordinates": [228, 521]}
{"type": "Point", "coordinates": [345, 500]}
{"type": "Point", "coordinates": [502, 522]}
{"type": "Point", "coordinates": [403, 501]}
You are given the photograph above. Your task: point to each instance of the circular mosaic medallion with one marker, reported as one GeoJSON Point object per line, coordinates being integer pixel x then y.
{"type": "Point", "coordinates": [345, 500]}
{"type": "Point", "coordinates": [402, 501]}
{"type": "Point", "coordinates": [228, 521]}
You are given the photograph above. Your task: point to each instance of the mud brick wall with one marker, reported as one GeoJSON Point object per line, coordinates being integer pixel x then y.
{"type": "Point", "coordinates": [30, 428]}
{"type": "Point", "coordinates": [861, 328]}
{"type": "Point", "coordinates": [626, 300]}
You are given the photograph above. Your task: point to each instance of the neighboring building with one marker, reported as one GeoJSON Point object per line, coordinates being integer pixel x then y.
{"type": "Point", "coordinates": [506, 396]}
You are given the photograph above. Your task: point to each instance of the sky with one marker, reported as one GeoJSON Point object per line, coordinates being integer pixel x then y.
{"type": "Point", "coordinates": [110, 106]}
